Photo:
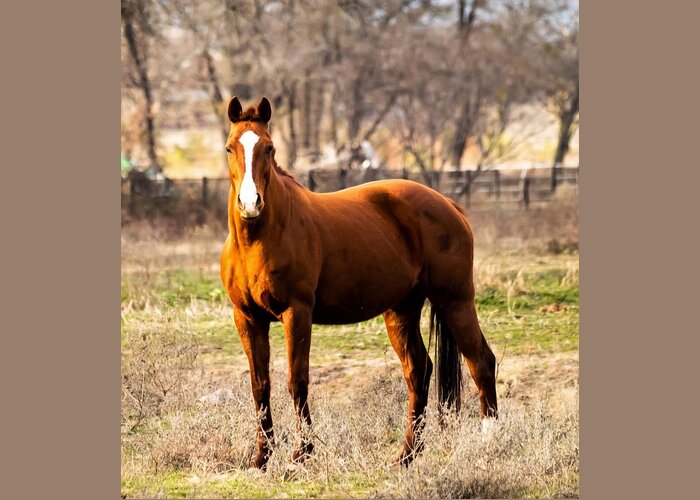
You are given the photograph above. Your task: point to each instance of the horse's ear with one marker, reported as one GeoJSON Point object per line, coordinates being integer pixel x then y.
{"type": "Point", "coordinates": [264, 110]}
{"type": "Point", "coordinates": [234, 109]}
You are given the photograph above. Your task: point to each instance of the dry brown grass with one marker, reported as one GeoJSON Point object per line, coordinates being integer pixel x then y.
{"type": "Point", "coordinates": [182, 442]}
{"type": "Point", "coordinates": [550, 228]}
{"type": "Point", "coordinates": [173, 445]}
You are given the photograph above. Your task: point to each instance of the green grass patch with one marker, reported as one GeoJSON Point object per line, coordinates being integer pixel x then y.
{"type": "Point", "coordinates": [530, 309]}
{"type": "Point", "coordinates": [244, 484]}
{"type": "Point", "coordinates": [173, 287]}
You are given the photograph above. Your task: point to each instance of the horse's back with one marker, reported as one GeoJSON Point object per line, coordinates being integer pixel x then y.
{"type": "Point", "coordinates": [439, 218]}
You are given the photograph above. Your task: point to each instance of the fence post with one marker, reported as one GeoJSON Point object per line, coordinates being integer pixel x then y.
{"type": "Point", "coordinates": [468, 189]}
{"type": "Point", "coordinates": [132, 196]}
{"type": "Point", "coordinates": [202, 211]}
{"type": "Point", "coordinates": [526, 191]}
{"type": "Point", "coordinates": [497, 183]}
{"type": "Point", "coordinates": [205, 192]}
{"type": "Point", "coordinates": [554, 177]}
{"type": "Point", "coordinates": [436, 179]}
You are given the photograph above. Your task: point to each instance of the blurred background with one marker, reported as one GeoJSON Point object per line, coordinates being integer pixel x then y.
{"type": "Point", "coordinates": [476, 98]}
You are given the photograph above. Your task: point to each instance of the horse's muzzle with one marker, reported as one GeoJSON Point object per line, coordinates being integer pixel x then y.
{"type": "Point", "coordinates": [250, 211]}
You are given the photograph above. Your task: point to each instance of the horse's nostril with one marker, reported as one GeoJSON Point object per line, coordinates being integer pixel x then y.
{"type": "Point", "coordinates": [258, 200]}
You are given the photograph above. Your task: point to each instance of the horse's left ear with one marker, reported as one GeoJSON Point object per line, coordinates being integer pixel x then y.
{"type": "Point", "coordinates": [234, 109]}
{"type": "Point", "coordinates": [264, 110]}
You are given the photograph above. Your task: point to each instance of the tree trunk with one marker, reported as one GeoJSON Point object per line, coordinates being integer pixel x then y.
{"type": "Point", "coordinates": [333, 133]}
{"type": "Point", "coordinates": [306, 115]}
{"type": "Point", "coordinates": [144, 84]}
{"type": "Point", "coordinates": [215, 95]}
{"type": "Point", "coordinates": [464, 123]}
{"type": "Point", "coordinates": [292, 101]}
{"type": "Point", "coordinates": [466, 19]}
{"type": "Point", "coordinates": [318, 110]}
{"type": "Point", "coordinates": [464, 126]}
{"type": "Point", "coordinates": [566, 120]}
{"type": "Point", "coordinates": [356, 113]}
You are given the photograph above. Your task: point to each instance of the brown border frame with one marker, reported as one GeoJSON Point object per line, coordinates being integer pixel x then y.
{"type": "Point", "coordinates": [61, 252]}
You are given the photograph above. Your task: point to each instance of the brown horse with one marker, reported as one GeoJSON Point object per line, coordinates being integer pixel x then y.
{"type": "Point", "coordinates": [385, 247]}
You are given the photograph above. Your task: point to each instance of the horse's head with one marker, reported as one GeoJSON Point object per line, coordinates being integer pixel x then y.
{"type": "Point", "coordinates": [250, 156]}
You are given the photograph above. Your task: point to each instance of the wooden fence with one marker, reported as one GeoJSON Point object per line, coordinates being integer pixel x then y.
{"type": "Point", "coordinates": [513, 188]}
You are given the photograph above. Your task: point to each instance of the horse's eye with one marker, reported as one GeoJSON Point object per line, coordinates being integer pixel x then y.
{"type": "Point", "coordinates": [268, 149]}
{"type": "Point", "coordinates": [228, 149]}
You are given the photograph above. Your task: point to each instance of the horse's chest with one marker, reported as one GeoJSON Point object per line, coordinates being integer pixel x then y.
{"type": "Point", "coordinates": [264, 289]}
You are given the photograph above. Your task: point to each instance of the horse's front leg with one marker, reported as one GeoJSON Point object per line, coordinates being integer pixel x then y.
{"type": "Point", "coordinates": [297, 332]}
{"type": "Point", "coordinates": [254, 335]}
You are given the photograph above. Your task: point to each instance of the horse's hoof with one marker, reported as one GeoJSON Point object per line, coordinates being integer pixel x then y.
{"type": "Point", "coordinates": [302, 452]}
{"type": "Point", "coordinates": [408, 454]}
{"type": "Point", "coordinates": [403, 460]}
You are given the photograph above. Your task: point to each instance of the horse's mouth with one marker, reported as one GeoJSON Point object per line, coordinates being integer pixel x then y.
{"type": "Point", "coordinates": [250, 216]}
{"type": "Point", "coordinates": [250, 211]}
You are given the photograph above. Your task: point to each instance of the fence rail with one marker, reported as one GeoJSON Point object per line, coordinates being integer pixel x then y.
{"type": "Point", "coordinates": [197, 197]}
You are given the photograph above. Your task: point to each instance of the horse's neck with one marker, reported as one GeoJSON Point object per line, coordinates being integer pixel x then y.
{"type": "Point", "coordinates": [276, 211]}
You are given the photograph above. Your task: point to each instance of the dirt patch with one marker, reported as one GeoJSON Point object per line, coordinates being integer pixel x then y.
{"type": "Point", "coordinates": [522, 379]}
{"type": "Point", "coordinates": [527, 379]}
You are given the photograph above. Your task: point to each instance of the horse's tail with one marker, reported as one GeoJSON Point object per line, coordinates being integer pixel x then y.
{"type": "Point", "coordinates": [449, 362]}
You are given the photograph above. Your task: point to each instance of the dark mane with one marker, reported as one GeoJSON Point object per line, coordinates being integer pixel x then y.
{"type": "Point", "coordinates": [249, 115]}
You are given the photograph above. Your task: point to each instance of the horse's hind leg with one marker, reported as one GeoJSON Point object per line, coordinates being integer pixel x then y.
{"type": "Point", "coordinates": [462, 321]}
{"type": "Point", "coordinates": [403, 326]}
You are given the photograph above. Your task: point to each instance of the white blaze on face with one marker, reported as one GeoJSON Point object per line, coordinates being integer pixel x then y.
{"type": "Point", "coordinates": [249, 192]}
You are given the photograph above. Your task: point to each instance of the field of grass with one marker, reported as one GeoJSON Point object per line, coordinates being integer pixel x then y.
{"type": "Point", "coordinates": [179, 344]}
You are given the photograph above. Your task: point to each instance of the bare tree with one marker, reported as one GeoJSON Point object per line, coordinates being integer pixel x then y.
{"type": "Point", "coordinates": [563, 85]}
{"type": "Point", "coordinates": [137, 28]}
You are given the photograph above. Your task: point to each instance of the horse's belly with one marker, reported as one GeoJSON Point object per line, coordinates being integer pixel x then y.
{"type": "Point", "coordinates": [334, 315]}
{"type": "Point", "coordinates": [359, 298]}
